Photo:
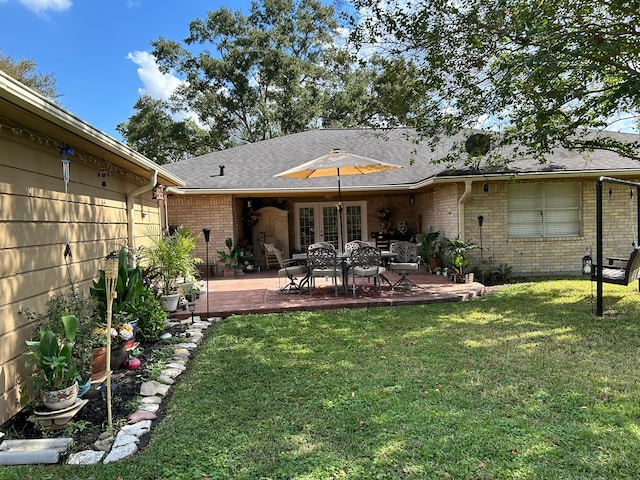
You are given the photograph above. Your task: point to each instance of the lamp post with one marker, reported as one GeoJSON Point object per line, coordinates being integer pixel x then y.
{"type": "Point", "coordinates": [192, 309]}
{"type": "Point", "coordinates": [480, 221]}
{"type": "Point", "coordinates": [207, 233]}
{"type": "Point", "coordinates": [110, 280]}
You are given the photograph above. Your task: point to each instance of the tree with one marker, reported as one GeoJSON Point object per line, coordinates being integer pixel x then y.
{"type": "Point", "coordinates": [274, 72]}
{"type": "Point", "coordinates": [153, 132]}
{"type": "Point", "coordinates": [541, 73]}
{"type": "Point", "coordinates": [25, 71]}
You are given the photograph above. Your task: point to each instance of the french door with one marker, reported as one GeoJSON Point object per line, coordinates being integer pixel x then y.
{"type": "Point", "coordinates": [318, 222]}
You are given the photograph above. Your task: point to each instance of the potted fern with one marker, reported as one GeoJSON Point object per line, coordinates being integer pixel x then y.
{"type": "Point", "coordinates": [170, 257]}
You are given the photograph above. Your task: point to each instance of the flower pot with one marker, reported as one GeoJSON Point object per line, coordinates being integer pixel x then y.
{"type": "Point", "coordinates": [463, 277]}
{"type": "Point", "coordinates": [118, 357]}
{"type": "Point", "coordinates": [84, 388]}
{"type": "Point", "coordinates": [185, 287]}
{"type": "Point", "coordinates": [170, 302]}
{"type": "Point", "coordinates": [59, 399]}
{"type": "Point", "coordinates": [99, 368]}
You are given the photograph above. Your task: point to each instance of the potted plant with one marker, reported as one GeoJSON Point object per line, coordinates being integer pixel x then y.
{"type": "Point", "coordinates": [430, 250]}
{"type": "Point", "coordinates": [152, 318]}
{"type": "Point", "coordinates": [170, 257]}
{"type": "Point", "coordinates": [57, 371]}
{"type": "Point", "coordinates": [456, 255]}
{"type": "Point", "coordinates": [229, 257]}
{"type": "Point", "coordinates": [85, 309]}
{"type": "Point", "coordinates": [98, 353]}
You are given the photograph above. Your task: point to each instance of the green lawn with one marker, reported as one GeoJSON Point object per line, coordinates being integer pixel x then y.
{"type": "Point", "coordinates": [524, 383]}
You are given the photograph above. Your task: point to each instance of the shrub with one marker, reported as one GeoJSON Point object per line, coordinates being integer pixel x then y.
{"type": "Point", "coordinates": [152, 319]}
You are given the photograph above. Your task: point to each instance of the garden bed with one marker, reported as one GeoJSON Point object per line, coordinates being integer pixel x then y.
{"type": "Point", "coordinates": [91, 421]}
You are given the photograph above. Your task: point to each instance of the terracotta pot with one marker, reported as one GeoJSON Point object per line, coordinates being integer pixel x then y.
{"type": "Point", "coordinates": [99, 368]}
{"type": "Point", "coordinates": [59, 399]}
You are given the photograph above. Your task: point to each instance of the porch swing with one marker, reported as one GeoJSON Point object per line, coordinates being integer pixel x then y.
{"type": "Point", "coordinates": [619, 271]}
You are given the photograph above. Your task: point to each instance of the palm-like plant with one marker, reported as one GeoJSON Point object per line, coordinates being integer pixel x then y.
{"type": "Point", "coordinates": [170, 257]}
{"type": "Point", "coordinates": [456, 251]}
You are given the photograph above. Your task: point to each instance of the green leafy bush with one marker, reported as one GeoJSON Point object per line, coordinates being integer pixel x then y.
{"type": "Point", "coordinates": [152, 319]}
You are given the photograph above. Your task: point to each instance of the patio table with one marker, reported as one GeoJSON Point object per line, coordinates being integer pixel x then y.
{"type": "Point", "coordinates": [343, 257]}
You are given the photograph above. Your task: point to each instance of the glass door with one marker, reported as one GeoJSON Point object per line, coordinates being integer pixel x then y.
{"type": "Point", "coordinates": [318, 222]}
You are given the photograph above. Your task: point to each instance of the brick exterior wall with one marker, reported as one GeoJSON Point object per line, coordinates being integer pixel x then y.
{"type": "Point", "coordinates": [438, 207]}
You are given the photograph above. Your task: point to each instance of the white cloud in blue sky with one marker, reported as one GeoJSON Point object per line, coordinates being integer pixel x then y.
{"type": "Point", "coordinates": [41, 6]}
{"type": "Point", "coordinates": [155, 83]}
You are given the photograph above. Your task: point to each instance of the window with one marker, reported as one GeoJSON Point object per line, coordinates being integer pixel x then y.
{"type": "Point", "coordinates": [318, 222]}
{"type": "Point", "coordinates": [542, 210]}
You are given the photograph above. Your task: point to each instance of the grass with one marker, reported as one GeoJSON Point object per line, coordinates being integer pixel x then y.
{"type": "Point", "coordinates": [523, 384]}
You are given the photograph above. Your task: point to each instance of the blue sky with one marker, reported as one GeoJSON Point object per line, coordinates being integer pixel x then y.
{"type": "Point", "coordinates": [98, 51]}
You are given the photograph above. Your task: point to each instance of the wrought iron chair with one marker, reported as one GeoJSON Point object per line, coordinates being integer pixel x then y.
{"type": "Point", "coordinates": [322, 261]}
{"type": "Point", "coordinates": [406, 261]}
{"type": "Point", "coordinates": [365, 261]}
{"type": "Point", "coordinates": [289, 270]}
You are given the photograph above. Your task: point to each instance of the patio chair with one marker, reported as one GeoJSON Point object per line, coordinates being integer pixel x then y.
{"type": "Point", "coordinates": [365, 261]}
{"type": "Point", "coordinates": [322, 261]}
{"type": "Point", "coordinates": [291, 271]}
{"type": "Point", "coordinates": [268, 247]}
{"type": "Point", "coordinates": [406, 261]}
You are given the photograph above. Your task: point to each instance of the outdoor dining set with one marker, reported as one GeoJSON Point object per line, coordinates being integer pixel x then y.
{"type": "Point", "coordinates": [359, 260]}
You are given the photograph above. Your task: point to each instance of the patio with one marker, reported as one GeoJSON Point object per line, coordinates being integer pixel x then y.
{"type": "Point", "coordinates": [258, 292]}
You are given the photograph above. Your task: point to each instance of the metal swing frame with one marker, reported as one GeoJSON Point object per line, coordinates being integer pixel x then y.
{"type": "Point", "coordinates": [599, 235]}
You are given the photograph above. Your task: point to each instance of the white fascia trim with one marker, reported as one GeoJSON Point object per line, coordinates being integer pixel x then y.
{"type": "Point", "coordinates": [38, 105]}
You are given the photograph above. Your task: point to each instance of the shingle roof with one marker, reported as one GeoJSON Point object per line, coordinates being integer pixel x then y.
{"type": "Point", "coordinates": [252, 167]}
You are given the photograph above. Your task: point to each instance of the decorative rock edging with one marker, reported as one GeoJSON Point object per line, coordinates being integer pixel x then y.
{"type": "Point", "coordinates": [127, 440]}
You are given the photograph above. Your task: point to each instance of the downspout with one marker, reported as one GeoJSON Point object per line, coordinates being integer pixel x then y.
{"type": "Point", "coordinates": [131, 223]}
{"type": "Point", "coordinates": [461, 202]}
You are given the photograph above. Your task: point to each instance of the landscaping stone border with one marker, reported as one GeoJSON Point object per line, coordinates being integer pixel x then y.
{"type": "Point", "coordinates": [125, 443]}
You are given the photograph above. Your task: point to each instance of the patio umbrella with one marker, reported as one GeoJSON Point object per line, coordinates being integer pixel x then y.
{"type": "Point", "coordinates": [335, 164]}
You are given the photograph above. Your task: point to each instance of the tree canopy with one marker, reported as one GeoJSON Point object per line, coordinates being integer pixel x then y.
{"type": "Point", "coordinates": [534, 74]}
{"type": "Point", "coordinates": [26, 72]}
{"type": "Point", "coordinates": [153, 132]}
{"type": "Point", "coordinates": [276, 71]}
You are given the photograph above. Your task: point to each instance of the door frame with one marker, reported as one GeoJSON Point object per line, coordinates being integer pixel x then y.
{"type": "Point", "coordinates": [318, 206]}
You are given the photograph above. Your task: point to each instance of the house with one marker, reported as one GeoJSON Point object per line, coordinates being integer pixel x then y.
{"type": "Point", "coordinates": [539, 219]}
{"type": "Point", "coordinates": [106, 203]}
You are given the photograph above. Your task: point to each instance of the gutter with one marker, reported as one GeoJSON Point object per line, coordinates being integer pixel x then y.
{"type": "Point", "coordinates": [131, 223]}
{"type": "Point", "coordinates": [461, 202]}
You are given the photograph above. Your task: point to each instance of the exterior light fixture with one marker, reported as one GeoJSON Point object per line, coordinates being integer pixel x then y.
{"type": "Point", "coordinates": [192, 309]}
{"type": "Point", "coordinates": [158, 192]}
{"type": "Point", "coordinates": [485, 188]}
{"type": "Point", "coordinates": [412, 200]}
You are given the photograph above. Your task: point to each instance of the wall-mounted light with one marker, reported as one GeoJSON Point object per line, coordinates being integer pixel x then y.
{"type": "Point", "coordinates": [103, 174]}
{"type": "Point", "coordinates": [249, 204]}
{"type": "Point", "coordinates": [158, 192]}
{"type": "Point", "coordinates": [412, 200]}
{"type": "Point", "coordinates": [485, 188]}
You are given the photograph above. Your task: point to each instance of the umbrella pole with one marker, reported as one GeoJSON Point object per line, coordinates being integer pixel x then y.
{"type": "Point", "coordinates": [340, 237]}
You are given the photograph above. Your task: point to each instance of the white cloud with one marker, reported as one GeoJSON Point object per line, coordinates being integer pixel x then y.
{"type": "Point", "coordinates": [40, 6]}
{"type": "Point", "coordinates": [157, 85]}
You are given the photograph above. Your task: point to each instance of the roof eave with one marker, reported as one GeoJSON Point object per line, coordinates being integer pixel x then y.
{"type": "Point", "coordinates": [40, 107]}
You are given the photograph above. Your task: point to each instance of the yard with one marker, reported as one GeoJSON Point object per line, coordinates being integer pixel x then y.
{"type": "Point", "coordinates": [523, 383]}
